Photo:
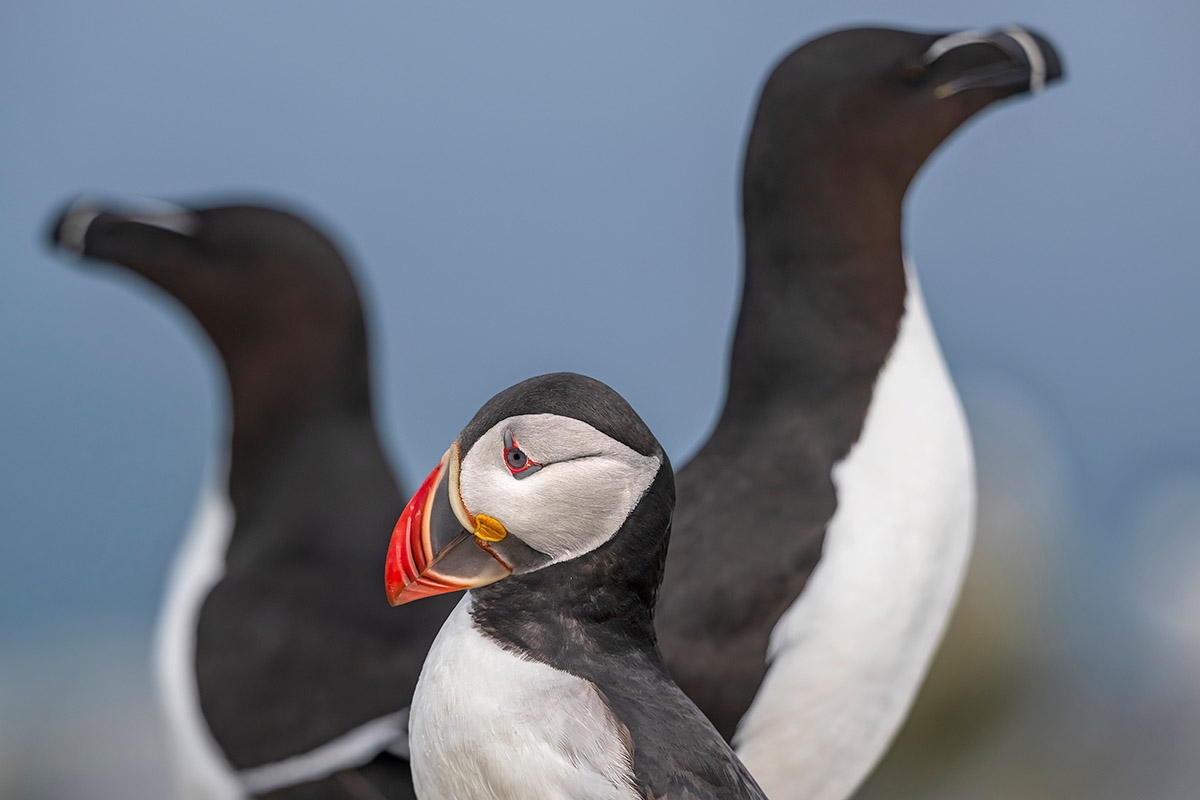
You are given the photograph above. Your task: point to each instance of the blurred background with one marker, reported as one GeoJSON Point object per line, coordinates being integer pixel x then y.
{"type": "Point", "coordinates": [583, 164]}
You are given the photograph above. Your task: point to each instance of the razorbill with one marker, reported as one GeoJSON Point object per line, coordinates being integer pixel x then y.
{"type": "Point", "coordinates": [274, 655]}
{"type": "Point", "coordinates": [824, 527]}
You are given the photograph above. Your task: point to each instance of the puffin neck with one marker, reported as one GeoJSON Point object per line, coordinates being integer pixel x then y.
{"type": "Point", "coordinates": [824, 273]}
{"type": "Point", "coordinates": [588, 609]}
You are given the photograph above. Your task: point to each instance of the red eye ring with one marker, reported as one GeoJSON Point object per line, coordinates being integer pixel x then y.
{"type": "Point", "coordinates": [519, 464]}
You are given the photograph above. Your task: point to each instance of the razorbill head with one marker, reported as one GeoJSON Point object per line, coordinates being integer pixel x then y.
{"type": "Point", "coordinates": [272, 293]}
{"type": "Point", "coordinates": [280, 670]}
{"type": "Point", "coordinates": [829, 515]}
{"type": "Point", "coordinates": [868, 106]}
{"type": "Point", "coordinates": [554, 507]}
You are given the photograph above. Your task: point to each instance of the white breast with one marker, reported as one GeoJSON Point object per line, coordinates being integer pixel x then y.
{"type": "Point", "coordinates": [201, 769]}
{"type": "Point", "coordinates": [487, 724]}
{"type": "Point", "coordinates": [847, 659]}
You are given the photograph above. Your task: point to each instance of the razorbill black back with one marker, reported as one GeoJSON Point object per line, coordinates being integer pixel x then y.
{"type": "Point", "coordinates": [282, 671]}
{"type": "Point", "coordinates": [824, 528]}
{"type": "Point", "coordinates": [554, 507]}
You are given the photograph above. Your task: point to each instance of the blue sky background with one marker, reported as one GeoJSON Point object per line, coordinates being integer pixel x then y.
{"type": "Point", "coordinates": [580, 164]}
{"type": "Point", "coordinates": [583, 165]}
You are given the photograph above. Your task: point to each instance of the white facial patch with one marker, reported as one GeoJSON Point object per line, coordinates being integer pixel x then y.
{"type": "Point", "coordinates": [588, 484]}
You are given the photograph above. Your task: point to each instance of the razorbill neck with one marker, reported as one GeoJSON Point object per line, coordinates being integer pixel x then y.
{"type": "Point", "coordinates": [274, 655]}
{"type": "Point", "coordinates": [553, 507]}
{"type": "Point", "coordinates": [826, 523]}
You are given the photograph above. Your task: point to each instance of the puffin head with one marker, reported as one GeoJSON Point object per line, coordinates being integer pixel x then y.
{"type": "Point", "coordinates": [879, 100]}
{"type": "Point", "coordinates": [272, 292]}
{"type": "Point", "coordinates": [548, 471]}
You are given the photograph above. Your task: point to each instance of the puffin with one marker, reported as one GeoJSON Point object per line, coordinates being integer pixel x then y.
{"type": "Point", "coordinates": [275, 653]}
{"type": "Point", "coordinates": [553, 508]}
{"type": "Point", "coordinates": [825, 525]}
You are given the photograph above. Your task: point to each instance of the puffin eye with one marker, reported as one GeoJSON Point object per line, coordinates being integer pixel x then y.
{"type": "Point", "coordinates": [519, 464]}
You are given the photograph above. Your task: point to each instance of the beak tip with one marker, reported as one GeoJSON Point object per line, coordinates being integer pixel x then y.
{"type": "Point", "coordinates": [393, 592]}
{"type": "Point", "coordinates": [69, 228]}
{"type": "Point", "coordinates": [420, 589]}
{"type": "Point", "coordinates": [1054, 70]}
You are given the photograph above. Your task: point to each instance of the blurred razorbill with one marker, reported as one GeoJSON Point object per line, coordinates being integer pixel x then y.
{"type": "Point", "coordinates": [276, 649]}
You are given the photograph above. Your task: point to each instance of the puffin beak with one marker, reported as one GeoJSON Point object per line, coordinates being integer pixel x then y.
{"type": "Point", "coordinates": [437, 545]}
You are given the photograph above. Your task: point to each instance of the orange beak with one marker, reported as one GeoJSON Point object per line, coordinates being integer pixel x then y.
{"type": "Point", "coordinates": [437, 545]}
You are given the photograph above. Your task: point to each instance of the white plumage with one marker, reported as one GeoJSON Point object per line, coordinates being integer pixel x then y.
{"type": "Point", "coordinates": [489, 724]}
{"type": "Point", "coordinates": [847, 658]}
{"type": "Point", "coordinates": [201, 769]}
